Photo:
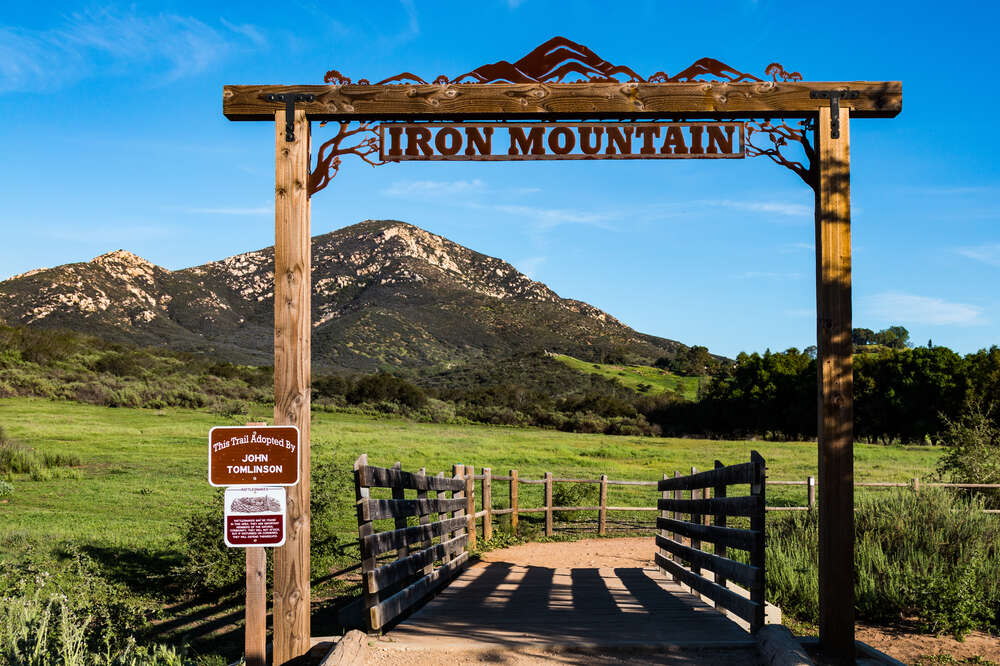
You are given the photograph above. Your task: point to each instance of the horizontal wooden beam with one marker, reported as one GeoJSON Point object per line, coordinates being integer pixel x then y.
{"type": "Point", "coordinates": [388, 610]}
{"type": "Point", "coordinates": [382, 477]}
{"type": "Point", "coordinates": [733, 474]}
{"type": "Point", "coordinates": [731, 537]}
{"type": "Point", "coordinates": [381, 509]}
{"type": "Point", "coordinates": [396, 571]}
{"type": "Point", "coordinates": [723, 596]}
{"type": "Point", "coordinates": [731, 506]}
{"type": "Point", "coordinates": [376, 544]}
{"type": "Point", "coordinates": [740, 573]}
{"type": "Point", "coordinates": [554, 101]}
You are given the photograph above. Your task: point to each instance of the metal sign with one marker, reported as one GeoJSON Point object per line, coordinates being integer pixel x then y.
{"type": "Point", "coordinates": [560, 141]}
{"type": "Point", "coordinates": [255, 517]}
{"type": "Point", "coordinates": [253, 455]}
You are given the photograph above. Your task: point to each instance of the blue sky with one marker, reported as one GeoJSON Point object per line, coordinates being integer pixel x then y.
{"type": "Point", "coordinates": [113, 137]}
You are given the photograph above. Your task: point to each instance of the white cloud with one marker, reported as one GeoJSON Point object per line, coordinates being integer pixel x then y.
{"type": "Point", "coordinates": [433, 188]}
{"type": "Point", "coordinates": [529, 265]}
{"type": "Point", "coordinates": [988, 253]}
{"type": "Point", "coordinates": [549, 218]}
{"type": "Point", "coordinates": [905, 308]}
{"type": "Point", "coordinates": [772, 207]}
{"type": "Point", "coordinates": [106, 41]}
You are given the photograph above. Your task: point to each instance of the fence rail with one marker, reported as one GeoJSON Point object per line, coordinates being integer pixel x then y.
{"type": "Point", "coordinates": [402, 565]}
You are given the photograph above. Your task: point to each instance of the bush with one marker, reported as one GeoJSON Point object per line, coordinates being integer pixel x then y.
{"type": "Point", "coordinates": [6, 488]}
{"type": "Point", "coordinates": [573, 494]}
{"type": "Point", "coordinates": [972, 450]}
{"type": "Point", "coordinates": [931, 557]}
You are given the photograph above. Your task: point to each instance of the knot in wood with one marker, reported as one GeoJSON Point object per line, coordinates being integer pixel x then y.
{"type": "Point", "coordinates": [450, 93]}
{"type": "Point", "coordinates": [411, 92]}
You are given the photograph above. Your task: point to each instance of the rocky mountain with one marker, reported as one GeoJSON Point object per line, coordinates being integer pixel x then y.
{"type": "Point", "coordinates": [386, 294]}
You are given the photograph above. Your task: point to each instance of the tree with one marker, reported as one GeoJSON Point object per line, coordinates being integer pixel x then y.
{"type": "Point", "coordinates": [861, 337]}
{"type": "Point", "coordinates": [894, 337]}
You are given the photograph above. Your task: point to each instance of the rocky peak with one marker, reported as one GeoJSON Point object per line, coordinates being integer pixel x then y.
{"type": "Point", "coordinates": [125, 265]}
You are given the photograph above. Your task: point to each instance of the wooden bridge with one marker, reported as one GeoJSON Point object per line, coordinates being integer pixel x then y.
{"type": "Point", "coordinates": [685, 591]}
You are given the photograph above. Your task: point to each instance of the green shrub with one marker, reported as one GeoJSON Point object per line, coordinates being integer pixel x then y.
{"type": "Point", "coordinates": [573, 494]}
{"type": "Point", "coordinates": [6, 488]}
{"type": "Point", "coordinates": [932, 557]}
{"type": "Point", "coordinates": [972, 450]}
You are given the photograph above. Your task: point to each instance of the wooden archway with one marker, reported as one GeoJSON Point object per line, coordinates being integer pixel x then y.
{"type": "Point", "coordinates": [532, 89]}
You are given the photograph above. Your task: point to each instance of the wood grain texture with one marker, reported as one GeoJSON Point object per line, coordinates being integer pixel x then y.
{"type": "Point", "coordinates": [255, 630]}
{"type": "Point", "coordinates": [487, 503]}
{"type": "Point", "coordinates": [382, 477]}
{"type": "Point", "coordinates": [350, 650]}
{"type": "Point", "coordinates": [383, 542]}
{"type": "Point", "coordinates": [725, 597]}
{"type": "Point", "coordinates": [292, 376]}
{"type": "Point", "coordinates": [425, 519]}
{"type": "Point", "coordinates": [552, 101]}
{"type": "Point", "coordinates": [602, 517]}
{"type": "Point", "coordinates": [732, 474]}
{"type": "Point", "coordinates": [835, 388]}
{"type": "Point", "coordinates": [732, 506]}
{"type": "Point", "coordinates": [405, 598]}
{"type": "Point", "coordinates": [386, 575]}
{"type": "Point", "coordinates": [380, 509]}
{"type": "Point", "coordinates": [513, 500]}
{"type": "Point", "coordinates": [548, 504]}
{"type": "Point", "coordinates": [743, 574]}
{"type": "Point", "coordinates": [470, 505]}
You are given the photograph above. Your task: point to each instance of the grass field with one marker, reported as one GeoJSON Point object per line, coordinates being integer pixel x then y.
{"type": "Point", "coordinates": [143, 470]}
{"type": "Point", "coordinates": [636, 376]}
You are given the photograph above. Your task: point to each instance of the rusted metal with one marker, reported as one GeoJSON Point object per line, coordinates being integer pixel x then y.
{"type": "Point", "coordinates": [559, 58]}
{"type": "Point", "coordinates": [328, 156]}
{"type": "Point", "coordinates": [560, 141]}
{"type": "Point", "coordinates": [781, 137]}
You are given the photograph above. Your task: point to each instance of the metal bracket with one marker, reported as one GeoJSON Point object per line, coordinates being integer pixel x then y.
{"type": "Point", "coordinates": [290, 101]}
{"type": "Point", "coordinates": [834, 96]}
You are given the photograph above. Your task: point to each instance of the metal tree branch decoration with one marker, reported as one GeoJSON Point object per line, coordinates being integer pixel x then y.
{"type": "Point", "coordinates": [328, 156]}
{"type": "Point", "coordinates": [781, 137]}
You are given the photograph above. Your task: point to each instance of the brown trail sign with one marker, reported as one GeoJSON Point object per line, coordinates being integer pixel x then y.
{"type": "Point", "coordinates": [253, 456]}
{"type": "Point", "coordinates": [534, 89]}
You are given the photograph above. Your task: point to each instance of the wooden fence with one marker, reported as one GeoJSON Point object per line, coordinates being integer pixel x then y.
{"type": "Point", "coordinates": [402, 565]}
{"type": "Point", "coordinates": [698, 506]}
{"type": "Point", "coordinates": [390, 588]}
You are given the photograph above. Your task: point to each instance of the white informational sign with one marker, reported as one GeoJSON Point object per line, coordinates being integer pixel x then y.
{"type": "Point", "coordinates": [255, 516]}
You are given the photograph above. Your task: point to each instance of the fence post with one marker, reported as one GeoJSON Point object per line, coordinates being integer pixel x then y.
{"type": "Point", "coordinates": [811, 485]}
{"type": "Point", "coordinates": [696, 519]}
{"type": "Point", "coordinates": [915, 483]}
{"type": "Point", "coordinates": [255, 626]}
{"type": "Point", "coordinates": [665, 514]}
{"type": "Point", "coordinates": [513, 501]}
{"type": "Point", "coordinates": [720, 521]}
{"type": "Point", "coordinates": [470, 504]}
{"type": "Point", "coordinates": [399, 523]}
{"type": "Point", "coordinates": [425, 519]}
{"type": "Point", "coordinates": [458, 472]}
{"type": "Point", "coordinates": [548, 504]}
{"type": "Point", "coordinates": [602, 516]}
{"type": "Point", "coordinates": [365, 529]}
{"type": "Point", "coordinates": [758, 487]}
{"type": "Point", "coordinates": [487, 503]}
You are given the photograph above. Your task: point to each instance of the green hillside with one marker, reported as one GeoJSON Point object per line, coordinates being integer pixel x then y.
{"type": "Point", "coordinates": [641, 378]}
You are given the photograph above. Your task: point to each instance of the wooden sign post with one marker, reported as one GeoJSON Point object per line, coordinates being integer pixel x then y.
{"type": "Point", "coordinates": [292, 373]}
{"type": "Point", "coordinates": [719, 112]}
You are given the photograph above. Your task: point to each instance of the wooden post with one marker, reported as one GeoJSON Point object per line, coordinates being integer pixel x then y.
{"type": "Point", "coordinates": [255, 626]}
{"type": "Point", "coordinates": [915, 484]}
{"type": "Point", "coordinates": [758, 488]}
{"type": "Point", "coordinates": [399, 523]}
{"type": "Point", "coordinates": [666, 514]}
{"type": "Point", "coordinates": [425, 520]}
{"type": "Point", "coordinates": [811, 485]}
{"type": "Point", "coordinates": [696, 519]}
{"type": "Point", "coordinates": [292, 377]}
{"type": "Point", "coordinates": [835, 387]}
{"type": "Point", "coordinates": [487, 503]}
{"type": "Point", "coordinates": [548, 504]}
{"type": "Point", "coordinates": [442, 494]}
{"type": "Point", "coordinates": [256, 610]}
{"type": "Point", "coordinates": [458, 472]}
{"type": "Point", "coordinates": [602, 517]}
{"type": "Point", "coordinates": [470, 504]}
{"type": "Point", "coordinates": [720, 521]}
{"type": "Point", "coordinates": [365, 529]}
{"type": "Point", "coordinates": [513, 501]}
